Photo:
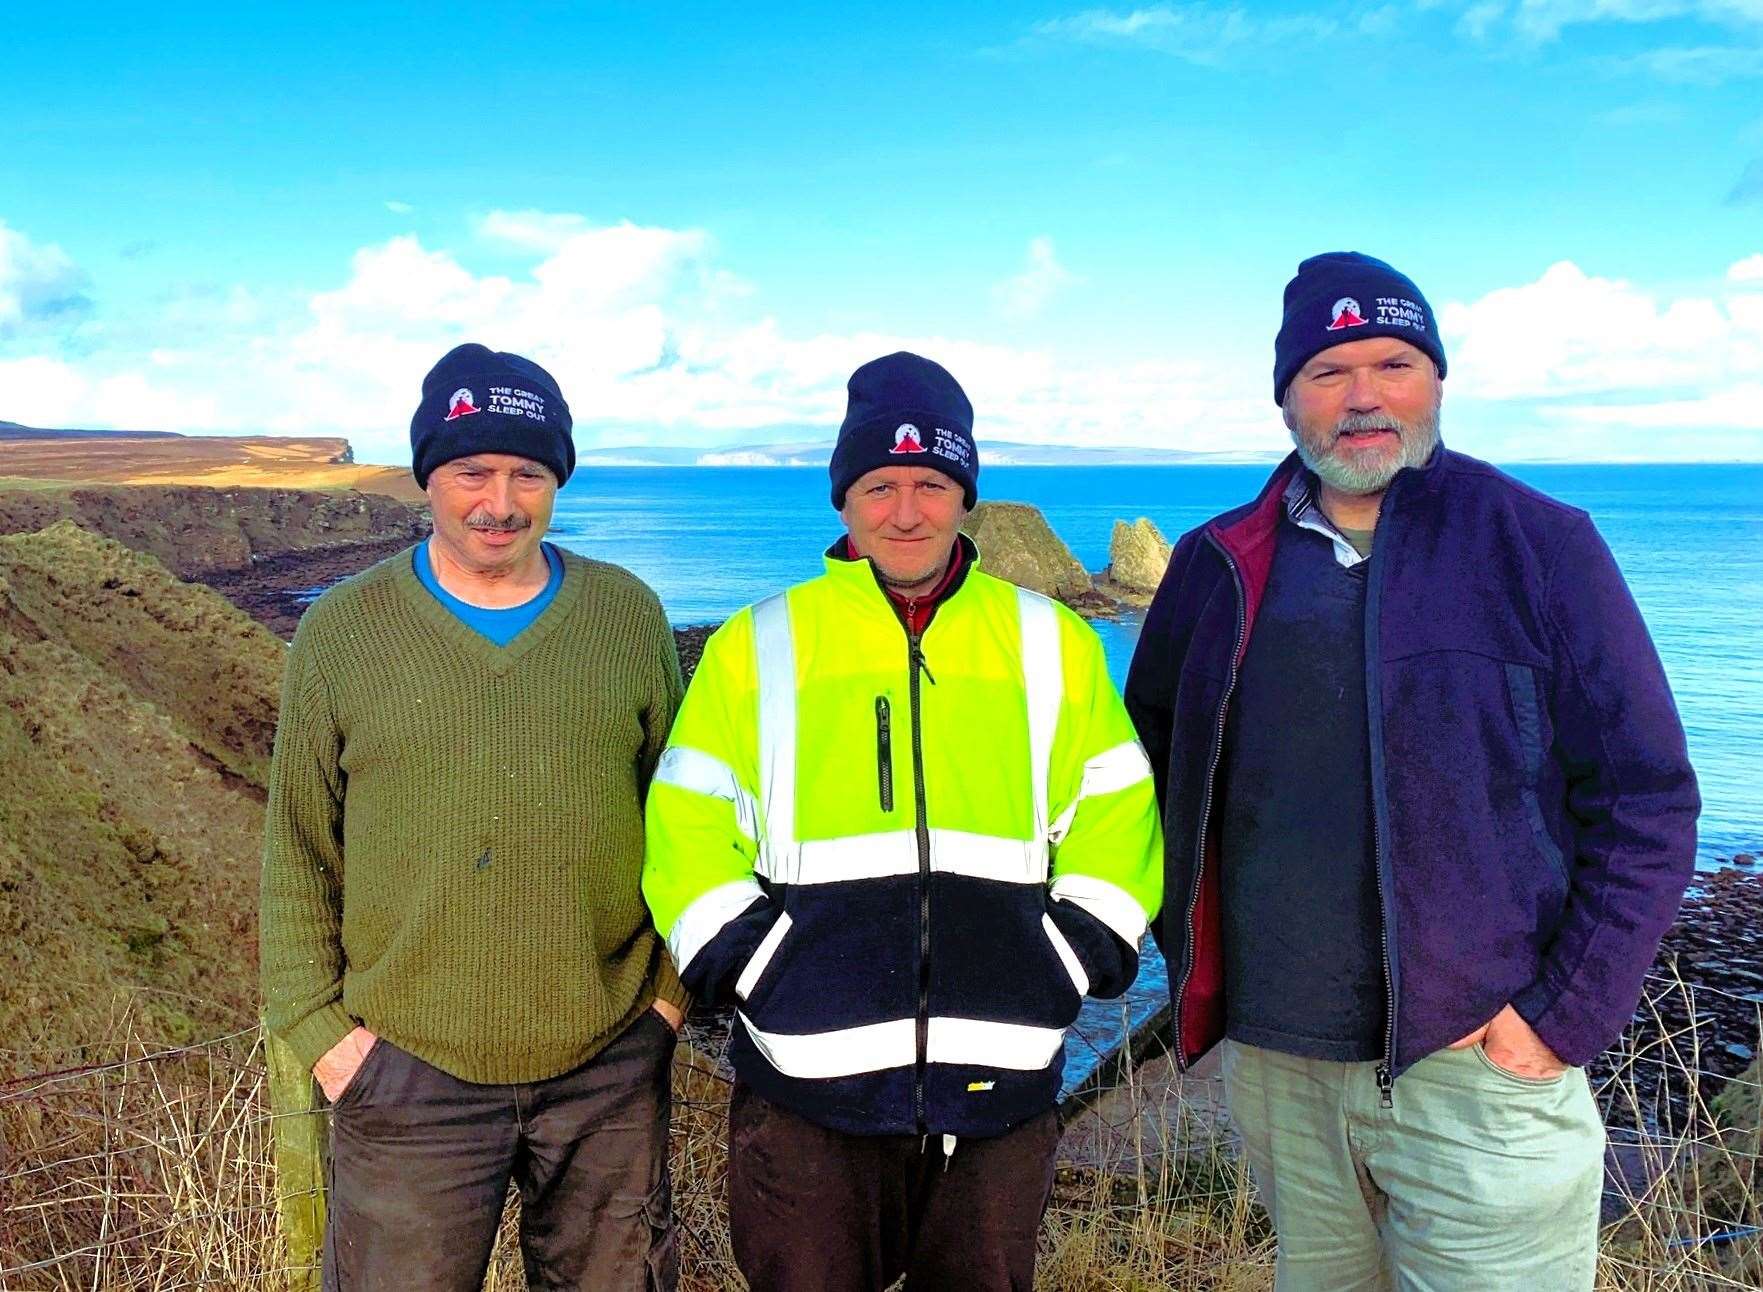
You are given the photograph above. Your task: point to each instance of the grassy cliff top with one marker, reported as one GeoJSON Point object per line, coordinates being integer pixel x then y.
{"type": "Point", "coordinates": [219, 461]}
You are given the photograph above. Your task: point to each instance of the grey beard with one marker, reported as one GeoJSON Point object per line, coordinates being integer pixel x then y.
{"type": "Point", "coordinates": [1417, 439]}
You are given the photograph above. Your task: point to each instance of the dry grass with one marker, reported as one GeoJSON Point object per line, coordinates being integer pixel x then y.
{"type": "Point", "coordinates": [154, 1173]}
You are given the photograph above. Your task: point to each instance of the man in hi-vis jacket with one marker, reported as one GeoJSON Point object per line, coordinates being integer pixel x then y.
{"type": "Point", "coordinates": [904, 824]}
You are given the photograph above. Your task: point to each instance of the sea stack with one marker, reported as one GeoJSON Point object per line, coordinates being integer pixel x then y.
{"type": "Point", "coordinates": [1016, 543]}
{"type": "Point", "coordinates": [1138, 555]}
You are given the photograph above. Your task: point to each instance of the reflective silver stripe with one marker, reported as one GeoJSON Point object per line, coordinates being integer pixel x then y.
{"type": "Point", "coordinates": [972, 1041]}
{"type": "Point", "coordinates": [849, 1051]}
{"type": "Point", "coordinates": [705, 918]}
{"type": "Point", "coordinates": [692, 769]}
{"type": "Point", "coordinates": [777, 734]}
{"type": "Point", "coordinates": [1073, 965]}
{"type": "Point", "coordinates": [895, 853]}
{"type": "Point", "coordinates": [981, 856]}
{"type": "Point", "coordinates": [857, 856]}
{"type": "Point", "coordinates": [762, 955]}
{"type": "Point", "coordinates": [1115, 769]}
{"type": "Point", "coordinates": [1043, 680]}
{"type": "Point", "coordinates": [841, 1053]}
{"type": "Point", "coordinates": [1109, 903]}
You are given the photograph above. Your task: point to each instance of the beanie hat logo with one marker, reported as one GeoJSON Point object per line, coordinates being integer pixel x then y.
{"type": "Point", "coordinates": [461, 404]}
{"type": "Point", "coordinates": [906, 439]}
{"type": "Point", "coordinates": [1346, 314]}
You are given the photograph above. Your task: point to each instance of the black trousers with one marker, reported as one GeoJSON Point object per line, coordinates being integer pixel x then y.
{"type": "Point", "coordinates": [812, 1208]}
{"type": "Point", "coordinates": [421, 1162]}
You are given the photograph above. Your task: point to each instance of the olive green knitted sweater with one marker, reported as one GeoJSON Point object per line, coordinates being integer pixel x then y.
{"type": "Point", "coordinates": [455, 829]}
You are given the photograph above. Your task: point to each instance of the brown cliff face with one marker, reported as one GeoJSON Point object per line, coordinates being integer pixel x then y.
{"type": "Point", "coordinates": [198, 531]}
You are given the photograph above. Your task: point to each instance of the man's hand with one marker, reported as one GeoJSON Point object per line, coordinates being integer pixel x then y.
{"type": "Point", "coordinates": [1512, 1044]}
{"type": "Point", "coordinates": [342, 1061]}
{"type": "Point", "coordinates": [670, 1015]}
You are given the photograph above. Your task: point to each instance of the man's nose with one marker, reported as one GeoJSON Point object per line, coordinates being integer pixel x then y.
{"type": "Point", "coordinates": [499, 496]}
{"type": "Point", "coordinates": [905, 509]}
{"type": "Point", "coordinates": [1362, 392]}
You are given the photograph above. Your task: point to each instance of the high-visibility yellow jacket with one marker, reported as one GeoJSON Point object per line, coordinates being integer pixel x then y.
{"type": "Point", "coordinates": [907, 859]}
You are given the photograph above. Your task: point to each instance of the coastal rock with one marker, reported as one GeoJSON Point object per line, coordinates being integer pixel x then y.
{"type": "Point", "coordinates": [1017, 544]}
{"type": "Point", "coordinates": [1138, 554]}
{"type": "Point", "coordinates": [198, 531]}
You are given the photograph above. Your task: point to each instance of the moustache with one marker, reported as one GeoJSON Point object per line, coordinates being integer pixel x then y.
{"type": "Point", "coordinates": [1359, 422]}
{"type": "Point", "coordinates": [490, 525]}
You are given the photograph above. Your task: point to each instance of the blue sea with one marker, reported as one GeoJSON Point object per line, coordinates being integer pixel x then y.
{"type": "Point", "coordinates": [1689, 538]}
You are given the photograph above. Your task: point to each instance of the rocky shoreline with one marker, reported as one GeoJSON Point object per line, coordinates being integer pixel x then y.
{"type": "Point", "coordinates": [1700, 1020]}
{"type": "Point", "coordinates": [275, 590]}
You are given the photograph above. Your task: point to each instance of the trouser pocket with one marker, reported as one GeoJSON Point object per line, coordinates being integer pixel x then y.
{"type": "Point", "coordinates": [663, 1258]}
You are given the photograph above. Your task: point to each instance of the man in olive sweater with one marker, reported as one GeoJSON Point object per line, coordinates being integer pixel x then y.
{"type": "Point", "coordinates": [453, 935]}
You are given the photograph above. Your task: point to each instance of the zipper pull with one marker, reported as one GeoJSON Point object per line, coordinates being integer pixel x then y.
{"type": "Point", "coordinates": [919, 662]}
{"type": "Point", "coordinates": [1385, 1086]}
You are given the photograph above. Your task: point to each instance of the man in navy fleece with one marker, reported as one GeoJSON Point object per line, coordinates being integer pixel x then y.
{"type": "Point", "coordinates": [1427, 812]}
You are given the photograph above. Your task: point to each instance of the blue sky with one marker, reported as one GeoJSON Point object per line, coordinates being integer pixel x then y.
{"type": "Point", "coordinates": [225, 219]}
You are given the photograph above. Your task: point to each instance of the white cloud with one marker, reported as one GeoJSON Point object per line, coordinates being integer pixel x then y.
{"type": "Point", "coordinates": [538, 231]}
{"type": "Point", "coordinates": [638, 325]}
{"type": "Point", "coordinates": [1202, 34]}
{"type": "Point", "coordinates": [635, 322]}
{"type": "Point", "coordinates": [1544, 20]}
{"type": "Point", "coordinates": [400, 208]}
{"type": "Point", "coordinates": [38, 281]}
{"type": "Point", "coordinates": [1603, 360]}
{"type": "Point", "coordinates": [1705, 65]}
{"type": "Point", "coordinates": [1748, 270]}
{"type": "Point", "coordinates": [1025, 295]}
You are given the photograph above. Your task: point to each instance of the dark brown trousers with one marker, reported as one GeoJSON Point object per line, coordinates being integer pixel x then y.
{"type": "Point", "coordinates": [811, 1208]}
{"type": "Point", "coordinates": [421, 1162]}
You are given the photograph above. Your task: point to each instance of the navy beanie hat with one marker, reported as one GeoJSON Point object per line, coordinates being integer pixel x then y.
{"type": "Point", "coordinates": [1342, 296]}
{"type": "Point", "coordinates": [904, 410]}
{"type": "Point", "coordinates": [478, 400]}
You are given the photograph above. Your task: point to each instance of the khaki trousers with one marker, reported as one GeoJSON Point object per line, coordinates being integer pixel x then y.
{"type": "Point", "coordinates": [1475, 1179]}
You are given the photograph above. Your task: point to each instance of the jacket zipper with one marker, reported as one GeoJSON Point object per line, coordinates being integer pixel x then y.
{"type": "Point", "coordinates": [915, 664]}
{"type": "Point", "coordinates": [1230, 685]}
{"type": "Point", "coordinates": [884, 754]}
{"type": "Point", "coordinates": [1386, 1078]}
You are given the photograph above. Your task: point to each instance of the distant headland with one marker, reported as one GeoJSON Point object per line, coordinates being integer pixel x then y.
{"type": "Point", "coordinates": [29, 453]}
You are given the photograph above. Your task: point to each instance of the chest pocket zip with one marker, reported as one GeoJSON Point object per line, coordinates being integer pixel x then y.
{"type": "Point", "coordinates": [884, 753]}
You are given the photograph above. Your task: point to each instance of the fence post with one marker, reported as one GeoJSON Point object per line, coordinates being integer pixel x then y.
{"type": "Point", "coordinates": [302, 1147]}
